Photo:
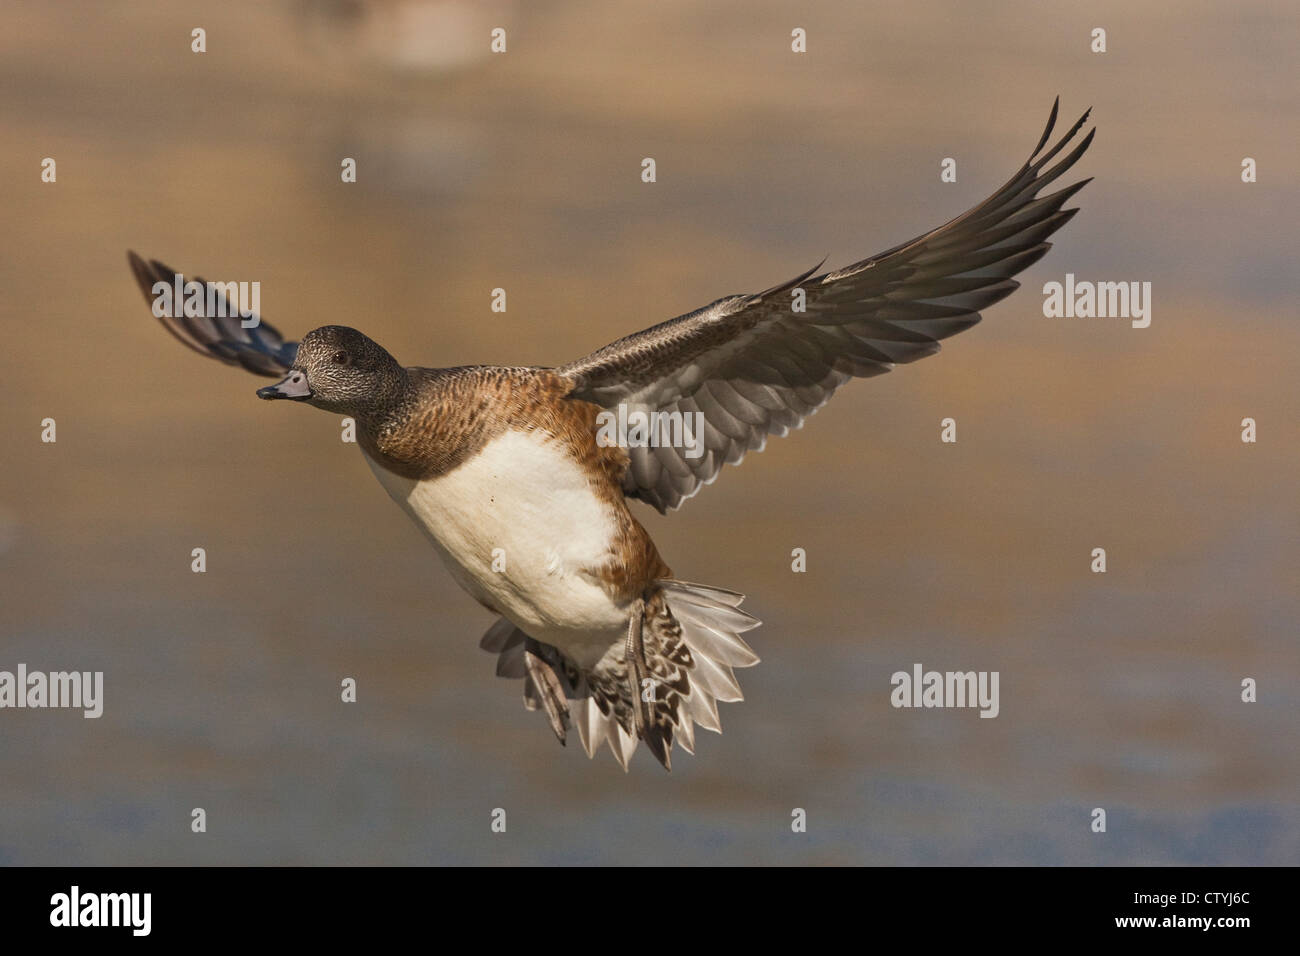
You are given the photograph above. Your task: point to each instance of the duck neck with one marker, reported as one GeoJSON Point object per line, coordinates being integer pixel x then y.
{"type": "Point", "coordinates": [387, 410]}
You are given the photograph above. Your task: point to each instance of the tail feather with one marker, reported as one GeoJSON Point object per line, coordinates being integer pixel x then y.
{"type": "Point", "coordinates": [626, 746]}
{"type": "Point", "coordinates": [593, 726]}
{"type": "Point", "coordinates": [706, 595]}
{"type": "Point", "coordinates": [686, 735]}
{"type": "Point", "coordinates": [703, 709]}
{"type": "Point", "coordinates": [689, 644]}
{"type": "Point", "coordinates": [717, 679]}
{"type": "Point", "coordinates": [706, 631]}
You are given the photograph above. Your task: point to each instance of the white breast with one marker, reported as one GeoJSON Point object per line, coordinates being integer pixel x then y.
{"type": "Point", "coordinates": [520, 528]}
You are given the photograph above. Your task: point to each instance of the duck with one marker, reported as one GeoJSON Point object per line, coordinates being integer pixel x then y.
{"type": "Point", "coordinates": [511, 473]}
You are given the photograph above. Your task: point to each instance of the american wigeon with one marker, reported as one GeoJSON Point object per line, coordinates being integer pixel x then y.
{"type": "Point", "coordinates": [507, 472]}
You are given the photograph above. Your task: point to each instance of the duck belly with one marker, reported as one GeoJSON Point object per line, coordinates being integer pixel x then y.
{"type": "Point", "coordinates": [521, 528]}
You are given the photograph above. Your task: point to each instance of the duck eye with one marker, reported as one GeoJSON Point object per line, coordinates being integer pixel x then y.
{"type": "Point", "coordinates": [341, 358]}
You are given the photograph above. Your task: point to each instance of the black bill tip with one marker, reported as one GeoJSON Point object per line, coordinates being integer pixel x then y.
{"type": "Point", "coordinates": [293, 386]}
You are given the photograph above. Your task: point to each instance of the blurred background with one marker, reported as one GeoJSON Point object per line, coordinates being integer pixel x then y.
{"type": "Point", "coordinates": [522, 170]}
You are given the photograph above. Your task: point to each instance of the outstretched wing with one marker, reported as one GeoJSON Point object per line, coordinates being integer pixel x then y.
{"type": "Point", "coordinates": [753, 366]}
{"type": "Point", "coordinates": [260, 349]}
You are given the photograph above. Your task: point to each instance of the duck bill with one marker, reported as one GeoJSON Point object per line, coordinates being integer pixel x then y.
{"type": "Point", "coordinates": [293, 387]}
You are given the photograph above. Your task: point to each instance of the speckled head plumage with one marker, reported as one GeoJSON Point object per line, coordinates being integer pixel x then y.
{"type": "Point", "coordinates": [339, 369]}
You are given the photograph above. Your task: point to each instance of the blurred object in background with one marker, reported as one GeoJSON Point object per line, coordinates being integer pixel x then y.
{"type": "Point", "coordinates": [416, 36]}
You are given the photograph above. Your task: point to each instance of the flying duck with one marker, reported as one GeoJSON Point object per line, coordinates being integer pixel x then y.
{"type": "Point", "coordinates": [523, 488]}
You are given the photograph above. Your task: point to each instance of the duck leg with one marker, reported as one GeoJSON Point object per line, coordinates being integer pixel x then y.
{"type": "Point", "coordinates": [634, 658]}
{"type": "Point", "coordinates": [547, 687]}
